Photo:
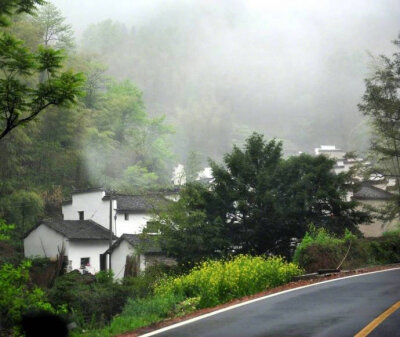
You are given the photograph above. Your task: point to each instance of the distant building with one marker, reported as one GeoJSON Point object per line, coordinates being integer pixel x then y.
{"type": "Point", "coordinates": [330, 151]}
{"type": "Point", "coordinates": [374, 198]}
{"type": "Point", "coordinates": [343, 164]}
{"type": "Point", "coordinates": [179, 175]}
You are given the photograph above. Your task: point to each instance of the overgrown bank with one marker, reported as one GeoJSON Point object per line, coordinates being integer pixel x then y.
{"type": "Point", "coordinates": [209, 284]}
{"type": "Point", "coordinates": [320, 249]}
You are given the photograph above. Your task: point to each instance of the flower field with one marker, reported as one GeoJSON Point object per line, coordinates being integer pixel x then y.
{"type": "Point", "coordinates": [216, 282]}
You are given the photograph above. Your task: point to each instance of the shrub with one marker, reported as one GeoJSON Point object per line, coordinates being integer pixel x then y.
{"type": "Point", "coordinates": [94, 300]}
{"type": "Point", "coordinates": [320, 249]}
{"type": "Point", "coordinates": [387, 248]}
{"type": "Point", "coordinates": [216, 282]}
{"type": "Point", "coordinates": [138, 313]}
{"type": "Point", "coordinates": [17, 298]}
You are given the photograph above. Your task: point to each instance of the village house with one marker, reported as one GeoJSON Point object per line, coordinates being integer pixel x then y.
{"type": "Point", "coordinates": [374, 198]}
{"type": "Point", "coordinates": [81, 242]}
{"type": "Point", "coordinates": [84, 232]}
{"type": "Point", "coordinates": [130, 213]}
{"type": "Point", "coordinates": [131, 254]}
{"type": "Point", "coordinates": [372, 195]}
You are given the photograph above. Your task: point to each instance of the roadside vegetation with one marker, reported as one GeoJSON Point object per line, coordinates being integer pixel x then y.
{"type": "Point", "coordinates": [320, 249]}
{"type": "Point", "coordinates": [209, 284]}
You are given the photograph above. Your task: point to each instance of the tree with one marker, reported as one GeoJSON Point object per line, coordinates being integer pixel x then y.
{"type": "Point", "coordinates": [193, 166]}
{"type": "Point", "coordinates": [189, 231]}
{"type": "Point", "coordinates": [56, 33]}
{"type": "Point", "coordinates": [22, 98]}
{"type": "Point", "coordinates": [22, 208]}
{"type": "Point", "coordinates": [8, 8]}
{"type": "Point", "coordinates": [124, 146]}
{"type": "Point", "coordinates": [259, 203]}
{"type": "Point", "coordinates": [381, 103]}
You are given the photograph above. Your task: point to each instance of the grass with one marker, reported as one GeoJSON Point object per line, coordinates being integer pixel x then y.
{"type": "Point", "coordinates": [136, 314]}
{"type": "Point", "coordinates": [209, 284]}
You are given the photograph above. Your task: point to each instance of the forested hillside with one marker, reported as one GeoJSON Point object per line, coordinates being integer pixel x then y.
{"type": "Point", "coordinates": [221, 70]}
{"type": "Point", "coordinates": [106, 139]}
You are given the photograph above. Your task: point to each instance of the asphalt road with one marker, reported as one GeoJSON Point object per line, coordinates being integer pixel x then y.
{"type": "Point", "coordinates": [341, 307]}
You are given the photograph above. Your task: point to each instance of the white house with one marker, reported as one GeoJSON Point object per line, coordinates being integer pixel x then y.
{"type": "Point", "coordinates": [375, 199]}
{"type": "Point", "coordinates": [136, 253]}
{"type": "Point", "coordinates": [330, 151]}
{"type": "Point", "coordinates": [84, 231]}
{"type": "Point", "coordinates": [84, 243]}
{"type": "Point", "coordinates": [130, 213]}
{"type": "Point", "coordinates": [179, 175]}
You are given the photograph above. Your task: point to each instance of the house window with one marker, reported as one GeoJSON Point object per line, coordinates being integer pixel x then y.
{"type": "Point", "coordinates": [81, 215]}
{"type": "Point", "coordinates": [126, 215]}
{"type": "Point", "coordinates": [151, 227]}
{"type": "Point", "coordinates": [85, 262]}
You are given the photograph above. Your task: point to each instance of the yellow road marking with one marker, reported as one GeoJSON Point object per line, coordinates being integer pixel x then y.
{"type": "Point", "coordinates": [371, 326]}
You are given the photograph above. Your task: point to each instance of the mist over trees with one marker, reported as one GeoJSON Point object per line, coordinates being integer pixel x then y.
{"type": "Point", "coordinates": [220, 70]}
{"type": "Point", "coordinates": [381, 104]}
{"type": "Point", "coordinates": [106, 138]}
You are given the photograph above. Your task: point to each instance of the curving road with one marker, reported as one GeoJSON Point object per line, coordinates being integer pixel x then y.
{"type": "Point", "coordinates": [341, 307]}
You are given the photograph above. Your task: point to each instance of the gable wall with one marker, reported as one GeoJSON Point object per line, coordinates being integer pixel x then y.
{"type": "Point", "coordinates": [44, 242]}
{"type": "Point", "coordinates": [118, 258]}
{"type": "Point", "coordinates": [92, 204]}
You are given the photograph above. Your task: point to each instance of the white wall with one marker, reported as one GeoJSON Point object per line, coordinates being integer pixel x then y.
{"type": "Point", "coordinates": [135, 224]}
{"type": "Point", "coordinates": [87, 248]}
{"type": "Point", "coordinates": [118, 258]}
{"type": "Point", "coordinates": [92, 204]}
{"type": "Point", "coordinates": [44, 242]}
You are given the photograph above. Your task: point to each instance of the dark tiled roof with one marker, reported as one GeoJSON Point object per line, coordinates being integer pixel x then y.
{"type": "Point", "coordinates": [140, 203]}
{"type": "Point", "coordinates": [147, 244]}
{"type": "Point", "coordinates": [370, 192]}
{"type": "Point", "coordinates": [78, 229]}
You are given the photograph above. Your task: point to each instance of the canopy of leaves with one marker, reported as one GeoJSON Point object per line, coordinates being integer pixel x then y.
{"type": "Point", "coordinates": [258, 203]}
{"type": "Point", "coordinates": [381, 103]}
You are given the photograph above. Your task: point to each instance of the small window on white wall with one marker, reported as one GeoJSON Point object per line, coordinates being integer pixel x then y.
{"type": "Point", "coordinates": [126, 215]}
{"type": "Point", "coordinates": [85, 262]}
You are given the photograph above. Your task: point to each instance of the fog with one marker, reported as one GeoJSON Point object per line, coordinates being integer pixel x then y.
{"type": "Point", "coordinates": [221, 69]}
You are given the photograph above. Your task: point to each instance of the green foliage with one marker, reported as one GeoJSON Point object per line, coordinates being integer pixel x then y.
{"type": "Point", "coordinates": [320, 249]}
{"type": "Point", "coordinates": [92, 301]}
{"type": "Point", "coordinates": [216, 282]}
{"type": "Point", "coordinates": [22, 208]}
{"type": "Point", "coordinates": [125, 148]}
{"type": "Point", "coordinates": [21, 98]}
{"type": "Point", "coordinates": [5, 230]}
{"type": "Point", "coordinates": [210, 283]}
{"type": "Point", "coordinates": [386, 249]}
{"type": "Point", "coordinates": [257, 203]}
{"type": "Point", "coordinates": [137, 313]}
{"type": "Point", "coordinates": [187, 233]}
{"type": "Point", "coordinates": [16, 297]}
{"type": "Point", "coordinates": [381, 104]}
{"type": "Point", "coordinates": [9, 8]}
{"type": "Point", "coordinates": [56, 32]}
{"type": "Point", "coordinates": [192, 166]}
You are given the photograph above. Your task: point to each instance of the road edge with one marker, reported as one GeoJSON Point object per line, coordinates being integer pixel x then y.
{"type": "Point", "coordinates": [174, 322]}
